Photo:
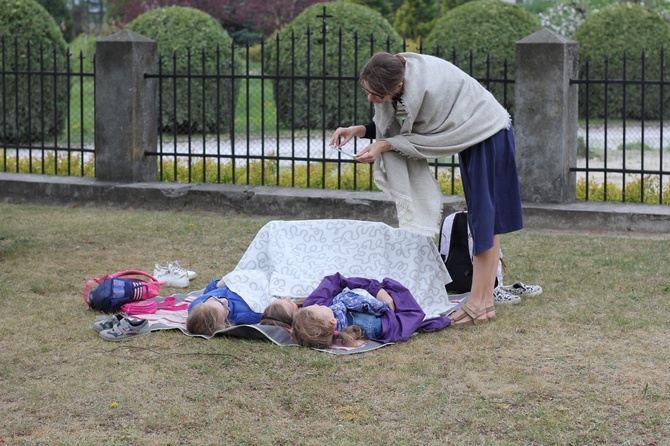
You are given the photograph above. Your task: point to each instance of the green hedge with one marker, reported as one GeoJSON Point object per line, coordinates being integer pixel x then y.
{"type": "Point", "coordinates": [481, 27]}
{"type": "Point", "coordinates": [314, 102]}
{"type": "Point", "coordinates": [415, 19]}
{"type": "Point", "coordinates": [33, 107]}
{"type": "Point", "coordinates": [179, 30]}
{"type": "Point", "coordinates": [611, 32]}
{"type": "Point", "coordinates": [448, 5]}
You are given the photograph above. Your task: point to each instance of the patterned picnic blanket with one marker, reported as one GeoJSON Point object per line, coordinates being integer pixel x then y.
{"type": "Point", "coordinates": [290, 258]}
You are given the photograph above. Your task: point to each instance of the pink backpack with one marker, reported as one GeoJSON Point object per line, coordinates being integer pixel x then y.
{"type": "Point", "coordinates": [116, 289]}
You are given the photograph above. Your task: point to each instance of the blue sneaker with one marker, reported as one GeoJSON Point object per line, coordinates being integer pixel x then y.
{"type": "Point", "coordinates": [106, 322]}
{"type": "Point", "coordinates": [126, 328]}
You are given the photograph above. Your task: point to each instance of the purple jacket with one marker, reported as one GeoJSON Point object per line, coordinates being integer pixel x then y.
{"type": "Point", "coordinates": [398, 325]}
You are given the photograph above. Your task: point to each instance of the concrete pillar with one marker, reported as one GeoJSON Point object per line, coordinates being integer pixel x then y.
{"type": "Point", "coordinates": [545, 121]}
{"type": "Point", "coordinates": [125, 108]}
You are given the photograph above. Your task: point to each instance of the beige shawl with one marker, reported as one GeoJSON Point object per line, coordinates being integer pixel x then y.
{"type": "Point", "coordinates": [447, 112]}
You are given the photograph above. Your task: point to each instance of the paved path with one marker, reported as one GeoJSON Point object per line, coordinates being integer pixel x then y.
{"type": "Point", "coordinates": [605, 149]}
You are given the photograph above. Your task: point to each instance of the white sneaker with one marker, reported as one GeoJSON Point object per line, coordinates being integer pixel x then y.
{"type": "Point", "coordinates": [171, 278]}
{"type": "Point", "coordinates": [175, 268]}
{"type": "Point", "coordinates": [501, 296]}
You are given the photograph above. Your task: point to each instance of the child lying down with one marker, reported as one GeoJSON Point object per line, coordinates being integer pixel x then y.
{"type": "Point", "coordinates": [219, 308]}
{"type": "Point", "coordinates": [342, 311]}
{"type": "Point", "coordinates": [346, 310]}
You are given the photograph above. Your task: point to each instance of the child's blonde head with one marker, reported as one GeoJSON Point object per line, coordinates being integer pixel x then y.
{"type": "Point", "coordinates": [206, 320]}
{"type": "Point", "coordinates": [276, 314]}
{"type": "Point", "coordinates": [316, 331]}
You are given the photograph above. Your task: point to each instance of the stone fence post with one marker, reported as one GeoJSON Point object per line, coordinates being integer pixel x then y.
{"type": "Point", "coordinates": [125, 108]}
{"type": "Point", "coordinates": [545, 121]}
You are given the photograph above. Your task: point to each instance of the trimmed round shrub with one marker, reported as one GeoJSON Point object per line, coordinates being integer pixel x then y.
{"type": "Point", "coordinates": [480, 28]}
{"type": "Point", "coordinates": [384, 7]}
{"type": "Point", "coordinates": [32, 107]}
{"type": "Point", "coordinates": [180, 32]}
{"type": "Point", "coordinates": [448, 5]}
{"type": "Point", "coordinates": [620, 29]}
{"type": "Point", "coordinates": [353, 34]}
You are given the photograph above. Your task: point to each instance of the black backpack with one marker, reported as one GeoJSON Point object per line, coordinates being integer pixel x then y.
{"type": "Point", "coordinates": [455, 247]}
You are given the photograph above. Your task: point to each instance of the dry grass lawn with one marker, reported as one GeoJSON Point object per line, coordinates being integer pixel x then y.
{"type": "Point", "coordinates": [586, 363]}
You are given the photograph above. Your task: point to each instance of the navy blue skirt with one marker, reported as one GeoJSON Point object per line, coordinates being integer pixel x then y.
{"type": "Point", "coordinates": [491, 187]}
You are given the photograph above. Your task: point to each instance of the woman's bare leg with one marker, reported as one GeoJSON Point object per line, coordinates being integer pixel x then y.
{"type": "Point", "coordinates": [484, 270]}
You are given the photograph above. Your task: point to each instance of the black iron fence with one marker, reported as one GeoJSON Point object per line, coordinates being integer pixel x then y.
{"type": "Point", "coordinates": [270, 124]}
{"type": "Point", "coordinates": [46, 110]}
{"type": "Point", "coordinates": [246, 119]}
{"type": "Point", "coordinates": [624, 142]}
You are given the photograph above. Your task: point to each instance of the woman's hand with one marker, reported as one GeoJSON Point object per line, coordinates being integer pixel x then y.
{"type": "Point", "coordinates": [384, 296]}
{"type": "Point", "coordinates": [371, 152]}
{"type": "Point", "coordinates": [343, 135]}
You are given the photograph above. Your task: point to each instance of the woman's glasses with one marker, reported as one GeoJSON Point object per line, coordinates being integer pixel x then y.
{"type": "Point", "coordinates": [378, 96]}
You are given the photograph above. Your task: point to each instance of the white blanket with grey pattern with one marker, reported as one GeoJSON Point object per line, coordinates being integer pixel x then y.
{"type": "Point", "coordinates": [290, 258]}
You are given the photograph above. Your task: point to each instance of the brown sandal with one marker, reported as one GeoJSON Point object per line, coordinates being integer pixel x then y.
{"type": "Point", "coordinates": [488, 310]}
{"type": "Point", "coordinates": [468, 313]}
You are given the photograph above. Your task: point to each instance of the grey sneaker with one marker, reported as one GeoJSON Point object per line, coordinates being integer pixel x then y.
{"type": "Point", "coordinates": [106, 322]}
{"type": "Point", "coordinates": [520, 289]}
{"type": "Point", "coordinates": [500, 296]}
{"type": "Point", "coordinates": [126, 328]}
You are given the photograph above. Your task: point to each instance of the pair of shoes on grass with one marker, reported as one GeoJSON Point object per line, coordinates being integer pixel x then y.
{"type": "Point", "coordinates": [120, 328]}
{"type": "Point", "coordinates": [174, 274]}
{"type": "Point", "coordinates": [511, 294]}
